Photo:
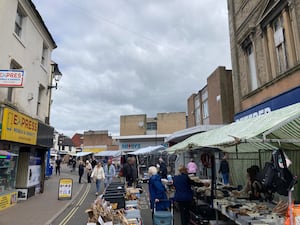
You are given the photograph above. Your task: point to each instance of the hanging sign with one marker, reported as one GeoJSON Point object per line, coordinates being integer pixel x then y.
{"type": "Point", "coordinates": [65, 188]}
{"type": "Point", "coordinates": [11, 78]}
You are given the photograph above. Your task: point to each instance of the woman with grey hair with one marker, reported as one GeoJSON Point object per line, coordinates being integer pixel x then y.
{"type": "Point", "coordinates": [157, 191]}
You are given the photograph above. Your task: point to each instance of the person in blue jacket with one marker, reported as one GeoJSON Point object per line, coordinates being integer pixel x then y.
{"type": "Point", "coordinates": [184, 193]}
{"type": "Point", "coordinates": [157, 191]}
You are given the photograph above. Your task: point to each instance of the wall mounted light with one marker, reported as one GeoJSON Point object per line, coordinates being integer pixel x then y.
{"type": "Point", "coordinates": [56, 75]}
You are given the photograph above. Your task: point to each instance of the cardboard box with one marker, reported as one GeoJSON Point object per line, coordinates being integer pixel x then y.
{"type": "Point", "coordinates": [100, 220]}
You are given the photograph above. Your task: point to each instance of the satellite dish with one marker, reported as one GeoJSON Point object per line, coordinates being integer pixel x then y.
{"type": "Point", "coordinates": [141, 124]}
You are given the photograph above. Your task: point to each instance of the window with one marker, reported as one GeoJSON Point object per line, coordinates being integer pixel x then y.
{"type": "Point", "coordinates": [18, 22]}
{"type": "Point", "coordinates": [204, 98]}
{"type": "Point", "coordinates": [280, 46]}
{"type": "Point", "coordinates": [197, 110]}
{"type": "Point", "coordinates": [13, 65]}
{"type": "Point", "coordinates": [205, 109]}
{"type": "Point", "coordinates": [44, 55]}
{"type": "Point", "coordinates": [39, 102]}
{"type": "Point", "coordinates": [252, 67]}
{"type": "Point", "coordinates": [278, 32]}
{"type": "Point", "coordinates": [151, 126]}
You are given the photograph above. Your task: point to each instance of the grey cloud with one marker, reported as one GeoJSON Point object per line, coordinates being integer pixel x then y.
{"type": "Point", "coordinates": [131, 57]}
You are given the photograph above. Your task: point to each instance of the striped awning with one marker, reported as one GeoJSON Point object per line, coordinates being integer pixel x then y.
{"type": "Point", "coordinates": [279, 128]}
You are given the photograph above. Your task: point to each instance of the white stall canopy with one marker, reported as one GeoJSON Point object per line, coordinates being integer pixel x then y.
{"type": "Point", "coordinates": [148, 150]}
{"type": "Point", "coordinates": [111, 153]}
{"type": "Point", "coordinates": [279, 128]}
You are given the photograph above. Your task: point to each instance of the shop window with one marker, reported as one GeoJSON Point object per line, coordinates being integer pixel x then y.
{"type": "Point", "coordinates": [8, 165]}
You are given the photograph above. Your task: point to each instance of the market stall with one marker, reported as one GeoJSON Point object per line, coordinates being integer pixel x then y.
{"type": "Point", "coordinates": [257, 137]}
{"type": "Point", "coordinates": [145, 158]}
{"type": "Point", "coordinates": [117, 205]}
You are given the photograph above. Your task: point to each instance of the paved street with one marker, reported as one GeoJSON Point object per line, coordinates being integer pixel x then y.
{"type": "Point", "coordinates": [46, 209]}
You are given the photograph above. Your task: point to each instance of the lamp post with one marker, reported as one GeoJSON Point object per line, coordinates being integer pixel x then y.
{"type": "Point", "coordinates": [56, 75]}
{"type": "Point", "coordinates": [155, 119]}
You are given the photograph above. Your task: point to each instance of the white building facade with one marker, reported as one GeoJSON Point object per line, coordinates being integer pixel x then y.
{"type": "Point", "coordinates": [26, 74]}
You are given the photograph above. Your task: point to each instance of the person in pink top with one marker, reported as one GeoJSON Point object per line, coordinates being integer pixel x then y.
{"type": "Point", "coordinates": [192, 167]}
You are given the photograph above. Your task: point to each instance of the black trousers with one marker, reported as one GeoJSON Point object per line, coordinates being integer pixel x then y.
{"type": "Point", "coordinates": [184, 208]}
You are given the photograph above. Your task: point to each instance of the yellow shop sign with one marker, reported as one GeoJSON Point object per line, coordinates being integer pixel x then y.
{"type": "Point", "coordinates": [18, 127]}
{"type": "Point", "coordinates": [8, 200]}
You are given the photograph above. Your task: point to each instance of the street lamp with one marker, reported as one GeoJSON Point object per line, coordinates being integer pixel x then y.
{"type": "Point", "coordinates": [56, 75]}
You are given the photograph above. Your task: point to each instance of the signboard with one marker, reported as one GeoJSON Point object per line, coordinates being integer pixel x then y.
{"type": "Point", "coordinates": [8, 200]}
{"type": "Point", "coordinates": [34, 175]}
{"type": "Point", "coordinates": [18, 127]}
{"type": "Point", "coordinates": [22, 194]}
{"type": "Point", "coordinates": [65, 188]}
{"type": "Point", "coordinates": [11, 78]}
{"type": "Point", "coordinates": [280, 101]}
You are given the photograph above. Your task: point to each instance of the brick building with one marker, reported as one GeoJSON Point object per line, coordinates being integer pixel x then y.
{"type": "Point", "coordinates": [265, 52]}
{"type": "Point", "coordinates": [138, 131]}
{"type": "Point", "coordinates": [97, 141]}
{"type": "Point", "coordinates": [213, 104]}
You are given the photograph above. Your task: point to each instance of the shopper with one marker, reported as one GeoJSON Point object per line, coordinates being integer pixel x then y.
{"type": "Point", "coordinates": [157, 191]}
{"type": "Point", "coordinates": [94, 162]}
{"type": "Point", "coordinates": [110, 172]}
{"type": "Point", "coordinates": [224, 170]}
{"type": "Point", "coordinates": [98, 176]}
{"type": "Point", "coordinates": [192, 167]}
{"type": "Point", "coordinates": [163, 171]}
{"type": "Point", "coordinates": [57, 165]}
{"type": "Point", "coordinates": [80, 170]}
{"type": "Point", "coordinates": [89, 168]}
{"type": "Point", "coordinates": [130, 172]}
{"type": "Point", "coordinates": [184, 194]}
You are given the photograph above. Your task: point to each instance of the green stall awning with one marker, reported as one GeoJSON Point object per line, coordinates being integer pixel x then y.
{"type": "Point", "coordinates": [279, 128]}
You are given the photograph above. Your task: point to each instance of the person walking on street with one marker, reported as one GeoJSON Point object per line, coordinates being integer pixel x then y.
{"type": "Point", "coordinates": [157, 191]}
{"type": "Point", "coordinates": [89, 168]}
{"type": "Point", "coordinates": [80, 170]}
{"type": "Point", "coordinates": [110, 172]}
{"type": "Point", "coordinates": [133, 173]}
{"type": "Point", "coordinates": [73, 165]}
{"type": "Point", "coordinates": [98, 175]}
{"type": "Point", "coordinates": [224, 170]}
{"type": "Point", "coordinates": [163, 171]}
{"type": "Point", "coordinates": [57, 166]}
{"type": "Point", "coordinates": [94, 162]}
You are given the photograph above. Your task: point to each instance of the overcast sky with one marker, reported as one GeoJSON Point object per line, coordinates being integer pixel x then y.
{"type": "Point", "coordinates": [125, 57]}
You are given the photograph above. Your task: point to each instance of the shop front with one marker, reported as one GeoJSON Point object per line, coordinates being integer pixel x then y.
{"type": "Point", "coordinates": [23, 146]}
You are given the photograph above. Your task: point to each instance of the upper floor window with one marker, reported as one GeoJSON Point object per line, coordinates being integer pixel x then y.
{"type": "Point", "coordinates": [252, 67]}
{"type": "Point", "coordinates": [19, 22]}
{"type": "Point", "coordinates": [204, 99]}
{"type": "Point", "coordinates": [205, 112]}
{"type": "Point", "coordinates": [280, 46]}
{"type": "Point", "coordinates": [44, 55]}
{"type": "Point", "coordinates": [13, 65]}
{"type": "Point", "coordinates": [151, 126]}
{"type": "Point", "coordinates": [197, 109]}
{"type": "Point", "coordinates": [278, 33]}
